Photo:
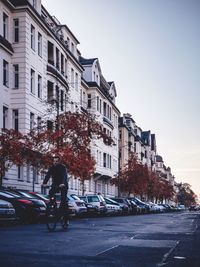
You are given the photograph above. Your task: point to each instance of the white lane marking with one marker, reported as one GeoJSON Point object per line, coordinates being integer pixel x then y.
{"type": "Point", "coordinates": [106, 250]}
{"type": "Point", "coordinates": [179, 257]}
{"type": "Point", "coordinates": [166, 255]}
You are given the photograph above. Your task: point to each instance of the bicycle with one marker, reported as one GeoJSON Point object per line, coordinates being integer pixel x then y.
{"type": "Point", "coordinates": [54, 215]}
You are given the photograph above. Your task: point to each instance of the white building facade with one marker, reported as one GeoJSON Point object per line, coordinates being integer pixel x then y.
{"type": "Point", "coordinates": [40, 65]}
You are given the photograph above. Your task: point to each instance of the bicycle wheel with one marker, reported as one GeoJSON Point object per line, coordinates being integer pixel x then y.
{"type": "Point", "coordinates": [51, 216]}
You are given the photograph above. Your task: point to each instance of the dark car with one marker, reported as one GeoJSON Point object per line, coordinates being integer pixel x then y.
{"type": "Point", "coordinates": [124, 204]}
{"type": "Point", "coordinates": [34, 199]}
{"type": "Point", "coordinates": [27, 209]}
{"type": "Point", "coordinates": [45, 198]}
{"type": "Point", "coordinates": [40, 196]}
{"type": "Point", "coordinates": [145, 208]}
{"type": "Point", "coordinates": [7, 211]}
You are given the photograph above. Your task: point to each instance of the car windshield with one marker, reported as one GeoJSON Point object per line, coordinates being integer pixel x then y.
{"type": "Point", "coordinates": [6, 195]}
{"type": "Point", "coordinates": [26, 194]}
{"type": "Point", "coordinates": [75, 197]}
{"type": "Point", "coordinates": [118, 200]}
{"type": "Point", "coordinates": [93, 199]}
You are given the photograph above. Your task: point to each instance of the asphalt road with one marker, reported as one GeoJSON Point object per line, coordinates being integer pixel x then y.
{"type": "Point", "coordinates": [155, 240]}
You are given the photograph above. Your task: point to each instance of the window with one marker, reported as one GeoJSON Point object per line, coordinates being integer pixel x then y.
{"type": "Point", "coordinates": [5, 72]}
{"type": "Point", "coordinates": [72, 77]}
{"type": "Point", "coordinates": [5, 117]}
{"type": "Point", "coordinates": [34, 3]}
{"type": "Point", "coordinates": [100, 105]}
{"type": "Point", "coordinates": [89, 101]}
{"type": "Point", "coordinates": [76, 81]}
{"type": "Point", "coordinates": [16, 76]}
{"type": "Point", "coordinates": [39, 44]}
{"type": "Point", "coordinates": [39, 86]}
{"type": "Point", "coordinates": [15, 119]}
{"type": "Point", "coordinates": [20, 172]}
{"type": "Point", "coordinates": [32, 81]}
{"type": "Point", "coordinates": [5, 26]}
{"type": "Point", "coordinates": [62, 64]}
{"type": "Point", "coordinates": [33, 37]}
{"type": "Point", "coordinates": [35, 175]}
{"type": "Point", "coordinates": [104, 159]}
{"type": "Point", "coordinates": [61, 100]}
{"type": "Point", "coordinates": [57, 59]}
{"type": "Point", "coordinates": [72, 48]}
{"type": "Point", "coordinates": [49, 125]}
{"type": "Point", "coordinates": [104, 109]}
{"type": "Point", "coordinates": [28, 173]}
{"type": "Point", "coordinates": [16, 30]}
{"type": "Point", "coordinates": [32, 120]}
{"type": "Point", "coordinates": [97, 103]}
{"type": "Point", "coordinates": [57, 97]}
{"type": "Point", "coordinates": [39, 121]}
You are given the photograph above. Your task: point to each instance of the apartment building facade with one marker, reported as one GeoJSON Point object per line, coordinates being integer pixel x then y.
{"type": "Point", "coordinates": [133, 139]}
{"type": "Point", "coordinates": [99, 97]}
{"type": "Point", "coordinates": [40, 67]}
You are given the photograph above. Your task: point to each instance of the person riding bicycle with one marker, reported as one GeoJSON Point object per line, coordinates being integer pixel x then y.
{"type": "Point", "coordinates": [59, 175]}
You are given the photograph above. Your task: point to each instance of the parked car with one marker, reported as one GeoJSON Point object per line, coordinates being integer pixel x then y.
{"type": "Point", "coordinates": [45, 198]}
{"type": "Point", "coordinates": [7, 211]}
{"type": "Point", "coordinates": [96, 200]}
{"type": "Point", "coordinates": [124, 204]}
{"type": "Point", "coordinates": [112, 206]}
{"type": "Point", "coordinates": [91, 208]}
{"type": "Point", "coordinates": [144, 207]}
{"type": "Point", "coordinates": [154, 207]}
{"type": "Point", "coordinates": [26, 209]}
{"type": "Point", "coordinates": [79, 205]}
{"type": "Point", "coordinates": [34, 199]}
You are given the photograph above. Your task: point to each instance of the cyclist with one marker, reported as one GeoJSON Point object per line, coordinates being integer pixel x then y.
{"type": "Point", "coordinates": [59, 175]}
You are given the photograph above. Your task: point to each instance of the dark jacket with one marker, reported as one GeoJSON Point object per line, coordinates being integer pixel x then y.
{"type": "Point", "coordinates": [59, 175]}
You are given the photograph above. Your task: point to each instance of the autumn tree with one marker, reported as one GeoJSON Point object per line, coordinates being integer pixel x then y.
{"type": "Point", "coordinates": [132, 179]}
{"type": "Point", "coordinates": [11, 150]}
{"type": "Point", "coordinates": [186, 196]}
{"type": "Point", "coordinates": [71, 139]}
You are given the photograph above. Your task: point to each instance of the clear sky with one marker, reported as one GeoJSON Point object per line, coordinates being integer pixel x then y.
{"type": "Point", "coordinates": [151, 50]}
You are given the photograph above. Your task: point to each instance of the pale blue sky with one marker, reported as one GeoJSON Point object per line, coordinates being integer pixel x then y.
{"type": "Point", "coordinates": [151, 49]}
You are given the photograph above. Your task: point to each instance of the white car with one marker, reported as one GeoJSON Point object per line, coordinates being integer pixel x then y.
{"type": "Point", "coordinates": [154, 207]}
{"type": "Point", "coordinates": [79, 205]}
{"type": "Point", "coordinates": [96, 200]}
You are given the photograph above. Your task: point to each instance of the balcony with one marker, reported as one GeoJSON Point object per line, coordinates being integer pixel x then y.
{"type": "Point", "coordinates": [108, 122]}
{"type": "Point", "coordinates": [51, 69]}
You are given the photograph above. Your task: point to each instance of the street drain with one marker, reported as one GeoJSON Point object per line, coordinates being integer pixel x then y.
{"type": "Point", "coordinates": [179, 258]}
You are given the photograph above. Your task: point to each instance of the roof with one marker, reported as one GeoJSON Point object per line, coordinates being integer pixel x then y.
{"type": "Point", "coordinates": [106, 94]}
{"type": "Point", "coordinates": [146, 137]}
{"type": "Point", "coordinates": [159, 158]}
{"type": "Point", "coordinates": [86, 61]}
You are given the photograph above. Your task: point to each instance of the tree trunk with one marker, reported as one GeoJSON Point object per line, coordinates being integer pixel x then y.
{"type": "Point", "coordinates": [83, 187]}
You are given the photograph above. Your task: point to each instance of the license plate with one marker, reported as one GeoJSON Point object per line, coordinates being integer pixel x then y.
{"type": "Point", "coordinates": [10, 212]}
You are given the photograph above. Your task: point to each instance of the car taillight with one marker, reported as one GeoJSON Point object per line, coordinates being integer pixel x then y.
{"type": "Point", "coordinates": [25, 201]}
